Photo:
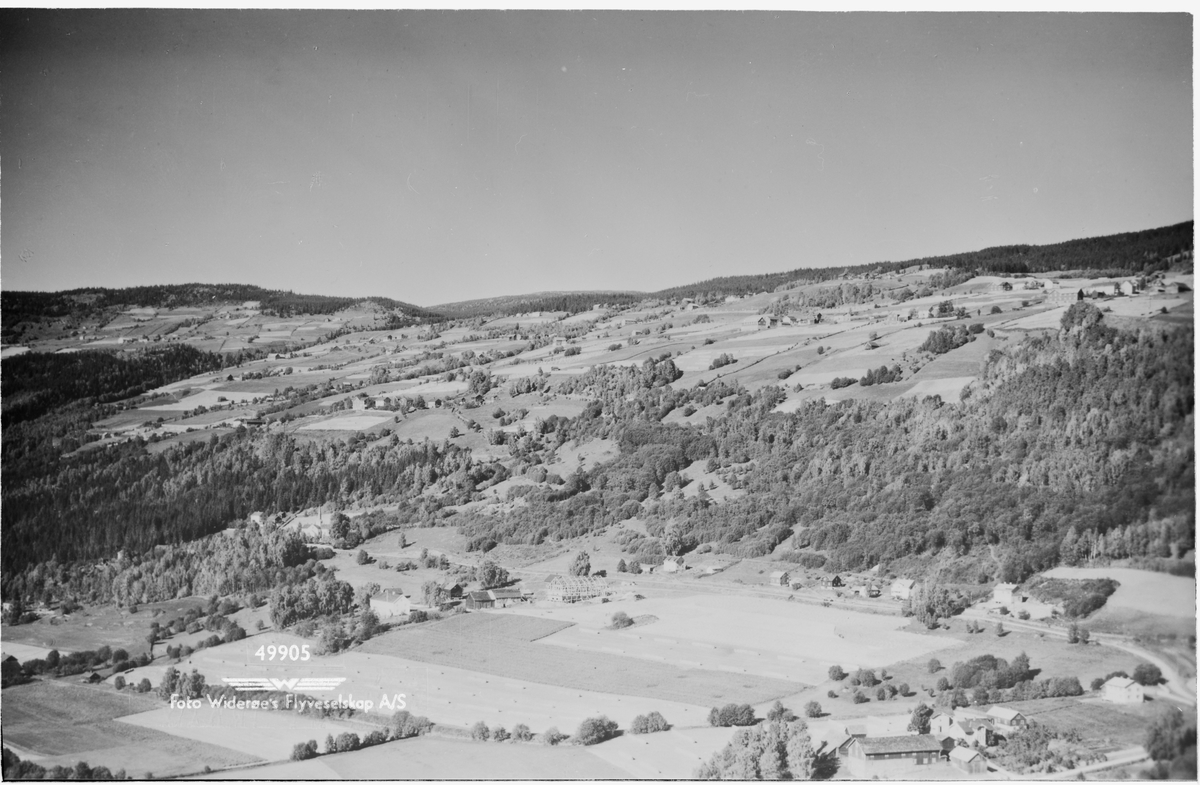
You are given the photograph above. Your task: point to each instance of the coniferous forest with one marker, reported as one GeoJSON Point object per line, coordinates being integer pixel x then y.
{"type": "Point", "coordinates": [1074, 446]}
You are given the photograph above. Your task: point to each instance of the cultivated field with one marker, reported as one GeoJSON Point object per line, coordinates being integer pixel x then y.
{"type": "Point", "coordinates": [57, 722]}
{"type": "Point", "coordinates": [1141, 591]}
{"type": "Point", "coordinates": [265, 735]}
{"type": "Point", "coordinates": [1107, 726]}
{"type": "Point", "coordinates": [791, 640]}
{"type": "Point", "coordinates": [452, 643]}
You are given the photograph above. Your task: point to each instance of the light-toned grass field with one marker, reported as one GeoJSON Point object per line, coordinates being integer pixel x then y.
{"type": "Point", "coordinates": [440, 758]}
{"type": "Point", "coordinates": [1141, 591]}
{"type": "Point", "coordinates": [798, 640]}
{"type": "Point", "coordinates": [63, 723]}
{"type": "Point", "coordinates": [348, 422]}
{"type": "Point", "coordinates": [451, 643]}
{"type": "Point", "coordinates": [24, 652]}
{"type": "Point", "coordinates": [1099, 722]}
{"type": "Point", "coordinates": [97, 626]}
{"type": "Point", "coordinates": [266, 735]}
{"type": "Point", "coordinates": [671, 755]}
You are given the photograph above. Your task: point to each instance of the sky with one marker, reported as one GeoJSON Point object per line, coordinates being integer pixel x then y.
{"type": "Point", "coordinates": [436, 156]}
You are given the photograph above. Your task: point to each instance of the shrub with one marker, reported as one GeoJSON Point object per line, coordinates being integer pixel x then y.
{"type": "Point", "coordinates": [943, 684]}
{"type": "Point", "coordinates": [620, 620]}
{"type": "Point", "coordinates": [904, 690]}
{"type": "Point", "coordinates": [842, 381]}
{"type": "Point", "coordinates": [305, 750]}
{"type": "Point", "coordinates": [859, 697]}
{"type": "Point", "coordinates": [935, 665]}
{"type": "Point", "coordinates": [836, 673]}
{"type": "Point", "coordinates": [521, 732]}
{"type": "Point", "coordinates": [594, 730]}
{"type": "Point", "coordinates": [722, 361]}
{"type": "Point", "coordinates": [480, 732]}
{"type": "Point", "coordinates": [995, 309]}
{"type": "Point", "coordinates": [363, 558]}
{"type": "Point", "coordinates": [649, 723]}
{"type": "Point", "coordinates": [812, 709]}
{"type": "Point", "coordinates": [500, 734]}
{"type": "Point", "coordinates": [780, 713]}
{"type": "Point", "coordinates": [119, 683]}
{"type": "Point", "coordinates": [732, 714]}
{"type": "Point", "coordinates": [552, 736]}
{"type": "Point", "coordinates": [832, 694]}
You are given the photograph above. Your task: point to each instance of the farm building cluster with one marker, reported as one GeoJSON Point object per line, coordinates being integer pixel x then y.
{"type": "Point", "coordinates": [885, 748]}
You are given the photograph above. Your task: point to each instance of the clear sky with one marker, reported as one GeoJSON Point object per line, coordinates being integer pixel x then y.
{"type": "Point", "coordinates": [433, 156]}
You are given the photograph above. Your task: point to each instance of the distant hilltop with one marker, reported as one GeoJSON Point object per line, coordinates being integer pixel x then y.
{"type": "Point", "coordinates": [1142, 252]}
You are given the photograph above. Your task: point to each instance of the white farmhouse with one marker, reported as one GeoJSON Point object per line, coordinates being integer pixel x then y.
{"type": "Point", "coordinates": [902, 588]}
{"type": "Point", "coordinates": [390, 603]}
{"type": "Point", "coordinates": [1120, 689]}
{"type": "Point", "coordinates": [1003, 593]}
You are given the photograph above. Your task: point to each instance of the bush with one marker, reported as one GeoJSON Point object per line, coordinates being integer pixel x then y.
{"type": "Point", "coordinates": [552, 736]}
{"type": "Point", "coordinates": [521, 732]}
{"type": "Point", "coordinates": [722, 361]}
{"type": "Point", "coordinates": [649, 723]}
{"type": "Point", "coordinates": [780, 713]}
{"type": "Point", "coordinates": [831, 694]}
{"type": "Point", "coordinates": [594, 730]}
{"type": "Point", "coordinates": [935, 665]}
{"type": "Point", "coordinates": [812, 709]}
{"type": "Point", "coordinates": [842, 381]}
{"type": "Point", "coordinates": [480, 732]}
{"type": "Point", "coordinates": [836, 673]}
{"type": "Point", "coordinates": [620, 620]}
{"type": "Point", "coordinates": [732, 714]}
{"type": "Point", "coordinates": [865, 677]}
{"type": "Point", "coordinates": [363, 558]}
{"type": "Point", "coordinates": [405, 725]}
{"type": "Point", "coordinates": [119, 683]}
{"type": "Point", "coordinates": [995, 309]}
{"type": "Point", "coordinates": [305, 750]}
{"type": "Point", "coordinates": [500, 734]}
{"type": "Point", "coordinates": [860, 698]}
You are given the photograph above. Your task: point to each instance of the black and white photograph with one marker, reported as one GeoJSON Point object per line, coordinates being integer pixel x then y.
{"type": "Point", "coordinates": [560, 394]}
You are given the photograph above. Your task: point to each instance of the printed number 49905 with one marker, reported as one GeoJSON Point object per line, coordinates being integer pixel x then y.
{"type": "Point", "coordinates": [293, 652]}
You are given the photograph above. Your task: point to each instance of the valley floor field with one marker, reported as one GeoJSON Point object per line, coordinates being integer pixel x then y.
{"type": "Point", "coordinates": [1140, 590]}
{"type": "Point", "coordinates": [777, 638]}
{"type": "Point", "coordinates": [57, 723]}
{"type": "Point", "coordinates": [453, 642]}
{"type": "Point", "coordinates": [432, 757]}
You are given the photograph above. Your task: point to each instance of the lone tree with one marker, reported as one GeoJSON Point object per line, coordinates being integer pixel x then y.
{"type": "Point", "coordinates": [919, 722]}
{"type": "Point", "coordinates": [935, 665]}
{"type": "Point", "coordinates": [1147, 674]}
{"type": "Point", "coordinates": [812, 709]}
{"type": "Point", "coordinates": [836, 673]}
{"type": "Point", "coordinates": [582, 566]}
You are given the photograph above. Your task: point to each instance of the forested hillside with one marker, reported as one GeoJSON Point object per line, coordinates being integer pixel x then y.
{"type": "Point", "coordinates": [19, 306]}
{"type": "Point", "coordinates": [1073, 446]}
{"type": "Point", "coordinates": [1129, 253]}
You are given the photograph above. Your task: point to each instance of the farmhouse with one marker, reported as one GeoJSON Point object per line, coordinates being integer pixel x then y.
{"type": "Point", "coordinates": [673, 565]}
{"type": "Point", "coordinates": [1008, 721]}
{"type": "Point", "coordinates": [478, 600]}
{"type": "Point", "coordinates": [968, 725]}
{"type": "Point", "coordinates": [968, 760]}
{"type": "Point", "coordinates": [779, 578]}
{"type": "Point", "coordinates": [885, 756]}
{"type": "Point", "coordinates": [1003, 593]}
{"type": "Point", "coordinates": [902, 588]}
{"type": "Point", "coordinates": [1119, 689]}
{"type": "Point", "coordinates": [573, 589]}
{"type": "Point", "coordinates": [389, 603]}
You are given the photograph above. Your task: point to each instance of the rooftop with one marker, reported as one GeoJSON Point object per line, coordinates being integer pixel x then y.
{"type": "Point", "coordinates": [885, 744]}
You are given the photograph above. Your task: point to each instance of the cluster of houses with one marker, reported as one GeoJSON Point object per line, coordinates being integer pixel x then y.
{"type": "Point", "coordinates": [884, 747]}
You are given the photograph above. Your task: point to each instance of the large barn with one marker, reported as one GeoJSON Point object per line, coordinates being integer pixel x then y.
{"type": "Point", "coordinates": [564, 588]}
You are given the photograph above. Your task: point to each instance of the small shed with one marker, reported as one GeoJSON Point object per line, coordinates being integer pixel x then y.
{"type": "Point", "coordinates": [902, 588]}
{"type": "Point", "coordinates": [968, 760]}
{"type": "Point", "coordinates": [779, 578]}
{"type": "Point", "coordinates": [453, 589]}
{"type": "Point", "coordinates": [1120, 689]}
{"type": "Point", "coordinates": [92, 678]}
{"type": "Point", "coordinates": [837, 582]}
